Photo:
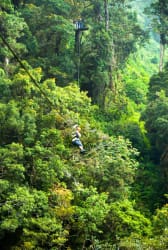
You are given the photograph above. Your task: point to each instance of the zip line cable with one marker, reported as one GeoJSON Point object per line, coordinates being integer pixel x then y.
{"type": "Point", "coordinates": [26, 70]}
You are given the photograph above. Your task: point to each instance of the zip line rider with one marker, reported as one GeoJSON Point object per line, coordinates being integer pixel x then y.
{"type": "Point", "coordinates": [76, 139]}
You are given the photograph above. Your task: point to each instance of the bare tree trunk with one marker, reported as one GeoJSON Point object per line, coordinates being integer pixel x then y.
{"type": "Point", "coordinates": [162, 50]}
{"type": "Point", "coordinates": [106, 12]}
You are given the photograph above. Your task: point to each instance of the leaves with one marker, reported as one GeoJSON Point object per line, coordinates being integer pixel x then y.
{"type": "Point", "coordinates": [52, 197]}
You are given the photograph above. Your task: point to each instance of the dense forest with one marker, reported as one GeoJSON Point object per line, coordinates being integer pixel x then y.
{"type": "Point", "coordinates": [101, 64]}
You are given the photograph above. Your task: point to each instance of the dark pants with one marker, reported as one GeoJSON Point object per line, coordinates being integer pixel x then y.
{"type": "Point", "coordinates": [77, 142]}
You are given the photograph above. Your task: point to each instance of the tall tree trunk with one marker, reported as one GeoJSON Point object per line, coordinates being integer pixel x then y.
{"type": "Point", "coordinates": [162, 50]}
{"type": "Point", "coordinates": [112, 67]}
{"type": "Point", "coordinates": [106, 12]}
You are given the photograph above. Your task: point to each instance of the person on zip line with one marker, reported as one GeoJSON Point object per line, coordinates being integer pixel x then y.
{"type": "Point", "coordinates": [76, 139]}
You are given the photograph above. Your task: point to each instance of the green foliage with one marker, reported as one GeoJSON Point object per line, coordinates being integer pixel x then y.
{"type": "Point", "coordinates": [158, 13]}
{"type": "Point", "coordinates": [18, 205]}
{"type": "Point", "coordinates": [109, 42]}
{"type": "Point", "coordinates": [159, 239]}
{"type": "Point", "coordinates": [148, 176]}
{"type": "Point", "coordinates": [43, 160]}
{"type": "Point", "coordinates": [54, 42]}
{"type": "Point", "coordinates": [91, 210]}
{"type": "Point", "coordinates": [11, 158]}
{"type": "Point", "coordinates": [136, 81]}
{"type": "Point", "coordinates": [115, 169]}
{"type": "Point", "coordinates": [6, 4]}
{"type": "Point", "coordinates": [157, 125]}
{"type": "Point", "coordinates": [12, 26]}
{"type": "Point", "coordinates": [53, 197]}
{"type": "Point", "coordinates": [48, 232]}
{"type": "Point", "coordinates": [125, 219]}
{"type": "Point", "coordinates": [160, 219]}
{"type": "Point", "coordinates": [4, 85]}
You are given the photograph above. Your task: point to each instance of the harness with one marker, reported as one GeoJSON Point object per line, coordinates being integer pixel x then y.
{"type": "Point", "coordinates": [76, 136]}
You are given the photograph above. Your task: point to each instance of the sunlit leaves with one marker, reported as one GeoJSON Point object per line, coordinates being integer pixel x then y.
{"type": "Point", "coordinates": [116, 167]}
{"type": "Point", "coordinates": [60, 199]}
{"type": "Point", "coordinates": [11, 159]}
{"type": "Point", "coordinates": [125, 219]}
{"type": "Point", "coordinates": [18, 205]}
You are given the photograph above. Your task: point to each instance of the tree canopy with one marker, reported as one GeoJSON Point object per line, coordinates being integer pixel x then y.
{"type": "Point", "coordinates": [104, 75]}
